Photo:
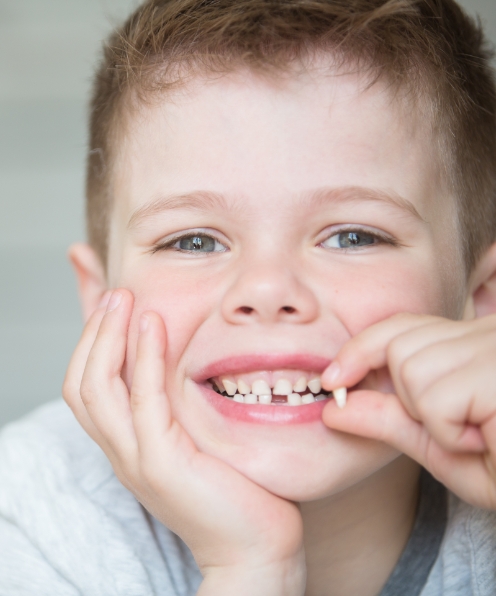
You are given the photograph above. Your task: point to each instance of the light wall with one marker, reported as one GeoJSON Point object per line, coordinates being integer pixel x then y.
{"type": "Point", "coordinates": [47, 51]}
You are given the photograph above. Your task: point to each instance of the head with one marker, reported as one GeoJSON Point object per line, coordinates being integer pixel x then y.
{"type": "Point", "coordinates": [274, 177]}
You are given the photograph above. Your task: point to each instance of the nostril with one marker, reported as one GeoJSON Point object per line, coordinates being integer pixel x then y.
{"type": "Point", "coordinates": [246, 310]}
{"type": "Point", "coordinates": [289, 309]}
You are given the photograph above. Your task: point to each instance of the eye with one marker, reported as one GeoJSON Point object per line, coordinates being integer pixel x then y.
{"type": "Point", "coordinates": [352, 239]}
{"type": "Point", "coordinates": [193, 243]}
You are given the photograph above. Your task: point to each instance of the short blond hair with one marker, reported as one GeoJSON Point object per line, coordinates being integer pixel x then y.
{"type": "Point", "coordinates": [430, 47]}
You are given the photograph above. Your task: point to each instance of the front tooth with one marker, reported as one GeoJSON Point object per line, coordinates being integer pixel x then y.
{"type": "Point", "coordinates": [300, 385]}
{"type": "Point", "coordinates": [282, 387]}
{"type": "Point", "coordinates": [314, 385]}
{"type": "Point", "coordinates": [239, 398]}
{"type": "Point", "coordinates": [320, 397]}
{"type": "Point", "coordinates": [260, 387]}
{"type": "Point", "coordinates": [243, 387]}
{"type": "Point", "coordinates": [265, 399]}
{"type": "Point", "coordinates": [340, 396]}
{"type": "Point", "coordinates": [230, 386]}
{"type": "Point", "coordinates": [294, 399]}
{"type": "Point", "coordinates": [308, 398]}
{"type": "Point", "coordinates": [250, 398]}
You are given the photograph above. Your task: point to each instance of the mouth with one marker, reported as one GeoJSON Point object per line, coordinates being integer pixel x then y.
{"type": "Point", "coordinates": [267, 389]}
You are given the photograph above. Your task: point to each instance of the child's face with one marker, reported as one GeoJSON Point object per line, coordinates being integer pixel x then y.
{"type": "Point", "coordinates": [271, 179]}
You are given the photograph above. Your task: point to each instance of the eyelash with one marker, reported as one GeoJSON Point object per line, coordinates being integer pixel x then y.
{"type": "Point", "coordinates": [378, 236]}
{"type": "Point", "coordinates": [169, 244]}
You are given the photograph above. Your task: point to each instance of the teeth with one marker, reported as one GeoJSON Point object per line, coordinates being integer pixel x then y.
{"type": "Point", "coordinates": [320, 397]}
{"type": "Point", "coordinates": [219, 385]}
{"type": "Point", "coordinates": [340, 396]}
{"type": "Point", "coordinates": [260, 387]}
{"type": "Point", "coordinates": [294, 399]}
{"type": "Point", "coordinates": [243, 387]}
{"type": "Point", "coordinates": [314, 385]}
{"type": "Point", "coordinates": [300, 385]}
{"type": "Point", "coordinates": [308, 398]}
{"type": "Point", "coordinates": [250, 399]}
{"type": "Point", "coordinates": [282, 387]}
{"type": "Point", "coordinates": [239, 398]}
{"type": "Point", "coordinates": [229, 386]}
{"type": "Point", "coordinates": [265, 399]}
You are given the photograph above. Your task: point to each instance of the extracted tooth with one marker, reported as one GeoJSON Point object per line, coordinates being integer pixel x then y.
{"type": "Point", "coordinates": [243, 387]}
{"type": "Point", "coordinates": [265, 399]}
{"type": "Point", "coordinates": [340, 396]}
{"type": "Point", "coordinates": [239, 398]}
{"type": "Point", "coordinates": [282, 387]}
{"type": "Point", "coordinates": [260, 387]}
{"type": "Point", "coordinates": [230, 386]}
{"type": "Point", "coordinates": [294, 399]}
{"type": "Point", "coordinates": [308, 398]}
{"type": "Point", "coordinates": [314, 385]}
{"type": "Point", "coordinates": [250, 398]}
{"type": "Point", "coordinates": [300, 385]}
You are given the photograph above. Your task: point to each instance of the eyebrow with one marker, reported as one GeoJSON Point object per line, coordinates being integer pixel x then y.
{"type": "Point", "coordinates": [207, 201]}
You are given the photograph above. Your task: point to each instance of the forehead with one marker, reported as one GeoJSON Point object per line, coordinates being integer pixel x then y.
{"type": "Point", "coordinates": [244, 134]}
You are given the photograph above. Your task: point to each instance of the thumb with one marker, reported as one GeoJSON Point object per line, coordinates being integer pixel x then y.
{"type": "Point", "coordinates": [382, 417]}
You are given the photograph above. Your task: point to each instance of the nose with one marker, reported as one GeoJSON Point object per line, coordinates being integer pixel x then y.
{"type": "Point", "coordinates": [269, 295]}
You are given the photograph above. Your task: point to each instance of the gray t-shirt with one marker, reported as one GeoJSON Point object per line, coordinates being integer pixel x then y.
{"type": "Point", "coordinates": [68, 527]}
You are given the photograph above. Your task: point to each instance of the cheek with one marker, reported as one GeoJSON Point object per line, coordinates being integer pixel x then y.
{"type": "Point", "coordinates": [372, 295]}
{"type": "Point", "coordinates": [184, 304]}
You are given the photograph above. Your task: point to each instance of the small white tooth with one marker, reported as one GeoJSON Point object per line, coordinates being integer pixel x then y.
{"type": "Point", "coordinates": [239, 398]}
{"type": "Point", "coordinates": [294, 399]}
{"type": "Point", "coordinates": [308, 398]}
{"type": "Point", "coordinates": [265, 399]}
{"type": "Point", "coordinates": [250, 398]}
{"type": "Point", "coordinates": [260, 387]}
{"type": "Point", "coordinates": [340, 396]}
{"type": "Point", "coordinates": [243, 387]}
{"type": "Point", "coordinates": [282, 387]}
{"type": "Point", "coordinates": [320, 397]}
{"type": "Point", "coordinates": [230, 386]}
{"type": "Point", "coordinates": [314, 385]}
{"type": "Point", "coordinates": [300, 385]}
{"type": "Point", "coordinates": [219, 385]}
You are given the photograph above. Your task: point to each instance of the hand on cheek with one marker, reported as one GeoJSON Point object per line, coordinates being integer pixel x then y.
{"type": "Point", "coordinates": [443, 410]}
{"type": "Point", "coordinates": [228, 521]}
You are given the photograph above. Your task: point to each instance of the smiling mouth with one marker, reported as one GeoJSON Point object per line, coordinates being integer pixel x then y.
{"type": "Point", "coordinates": [271, 388]}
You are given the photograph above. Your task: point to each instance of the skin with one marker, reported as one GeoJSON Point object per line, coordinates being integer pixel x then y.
{"type": "Point", "coordinates": [296, 162]}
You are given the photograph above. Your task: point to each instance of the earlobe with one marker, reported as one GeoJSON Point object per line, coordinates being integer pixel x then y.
{"type": "Point", "coordinates": [483, 296]}
{"type": "Point", "coordinates": [90, 275]}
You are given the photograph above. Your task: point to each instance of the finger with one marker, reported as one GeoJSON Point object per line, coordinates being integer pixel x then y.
{"type": "Point", "coordinates": [368, 350]}
{"type": "Point", "coordinates": [456, 408]}
{"type": "Point", "coordinates": [103, 391]}
{"type": "Point", "coordinates": [382, 417]}
{"type": "Point", "coordinates": [149, 403]}
{"type": "Point", "coordinates": [72, 383]}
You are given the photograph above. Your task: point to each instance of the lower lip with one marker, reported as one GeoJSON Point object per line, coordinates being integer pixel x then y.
{"type": "Point", "coordinates": [261, 414]}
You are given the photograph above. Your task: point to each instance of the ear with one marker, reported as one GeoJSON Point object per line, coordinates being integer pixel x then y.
{"type": "Point", "coordinates": [482, 300]}
{"type": "Point", "coordinates": [91, 278]}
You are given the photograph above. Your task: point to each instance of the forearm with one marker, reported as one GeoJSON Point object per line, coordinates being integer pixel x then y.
{"type": "Point", "coordinates": [284, 579]}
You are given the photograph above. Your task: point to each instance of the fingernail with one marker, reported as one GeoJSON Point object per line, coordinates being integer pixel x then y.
{"type": "Point", "coordinates": [144, 322]}
{"type": "Point", "coordinates": [331, 375]}
{"type": "Point", "coordinates": [105, 298]}
{"type": "Point", "coordinates": [114, 301]}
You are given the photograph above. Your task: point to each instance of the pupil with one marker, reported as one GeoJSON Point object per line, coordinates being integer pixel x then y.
{"type": "Point", "coordinates": [197, 243]}
{"type": "Point", "coordinates": [349, 239]}
{"type": "Point", "coordinates": [353, 238]}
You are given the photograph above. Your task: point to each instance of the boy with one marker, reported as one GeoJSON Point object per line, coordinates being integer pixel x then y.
{"type": "Point", "coordinates": [271, 184]}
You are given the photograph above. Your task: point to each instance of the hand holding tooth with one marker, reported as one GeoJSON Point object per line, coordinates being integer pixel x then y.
{"type": "Point", "coordinates": [442, 412]}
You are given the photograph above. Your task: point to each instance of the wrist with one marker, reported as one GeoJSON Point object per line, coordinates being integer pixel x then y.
{"type": "Point", "coordinates": [286, 578]}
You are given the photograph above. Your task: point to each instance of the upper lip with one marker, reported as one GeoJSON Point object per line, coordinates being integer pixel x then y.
{"type": "Point", "coordinates": [245, 363]}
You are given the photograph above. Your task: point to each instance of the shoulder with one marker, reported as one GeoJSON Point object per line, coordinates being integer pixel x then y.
{"type": "Point", "coordinates": [467, 558]}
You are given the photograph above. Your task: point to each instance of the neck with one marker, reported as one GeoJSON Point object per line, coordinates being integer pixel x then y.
{"type": "Point", "coordinates": [354, 539]}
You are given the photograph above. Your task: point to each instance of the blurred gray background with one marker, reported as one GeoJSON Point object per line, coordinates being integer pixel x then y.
{"type": "Point", "coordinates": [47, 52]}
